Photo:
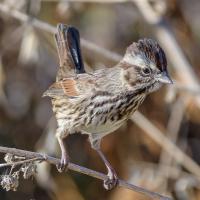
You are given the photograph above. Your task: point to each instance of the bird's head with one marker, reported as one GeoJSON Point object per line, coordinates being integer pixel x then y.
{"type": "Point", "coordinates": [145, 66]}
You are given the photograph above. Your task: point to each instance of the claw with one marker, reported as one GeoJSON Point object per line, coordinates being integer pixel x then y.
{"type": "Point", "coordinates": [64, 161]}
{"type": "Point", "coordinates": [111, 181]}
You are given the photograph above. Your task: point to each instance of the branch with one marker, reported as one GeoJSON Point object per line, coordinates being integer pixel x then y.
{"type": "Point", "coordinates": [33, 156]}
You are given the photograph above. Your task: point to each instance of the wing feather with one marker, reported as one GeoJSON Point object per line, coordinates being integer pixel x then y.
{"type": "Point", "coordinates": [65, 87]}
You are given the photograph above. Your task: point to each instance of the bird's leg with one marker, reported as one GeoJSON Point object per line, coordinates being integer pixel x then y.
{"type": "Point", "coordinates": [64, 154]}
{"type": "Point", "coordinates": [112, 179]}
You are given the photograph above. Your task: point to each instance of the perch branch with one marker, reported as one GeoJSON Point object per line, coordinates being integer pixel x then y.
{"type": "Point", "coordinates": [55, 161]}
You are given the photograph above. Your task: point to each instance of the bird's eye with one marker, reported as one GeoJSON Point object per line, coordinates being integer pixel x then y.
{"type": "Point", "coordinates": [146, 71]}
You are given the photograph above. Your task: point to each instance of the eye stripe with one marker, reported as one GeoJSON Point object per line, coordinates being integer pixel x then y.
{"type": "Point", "coordinates": [147, 52]}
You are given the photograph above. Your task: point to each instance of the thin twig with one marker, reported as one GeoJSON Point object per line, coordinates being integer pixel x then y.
{"type": "Point", "coordinates": [80, 169]}
{"type": "Point", "coordinates": [21, 162]}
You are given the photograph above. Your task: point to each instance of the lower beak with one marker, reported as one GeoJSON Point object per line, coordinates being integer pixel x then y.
{"type": "Point", "coordinates": [165, 78]}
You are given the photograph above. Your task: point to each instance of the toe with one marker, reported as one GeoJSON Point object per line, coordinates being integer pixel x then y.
{"type": "Point", "coordinates": [111, 181]}
{"type": "Point", "coordinates": [62, 166]}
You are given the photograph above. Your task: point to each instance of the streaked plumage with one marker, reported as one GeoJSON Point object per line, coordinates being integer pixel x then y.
{"type": "Point", "coordinates": [99, 102]}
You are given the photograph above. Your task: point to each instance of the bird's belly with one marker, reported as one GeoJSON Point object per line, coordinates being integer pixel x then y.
{"type": "Point", "coordinates": [110, 117]}
{"type": "Point", "coordinates": [103, 129]}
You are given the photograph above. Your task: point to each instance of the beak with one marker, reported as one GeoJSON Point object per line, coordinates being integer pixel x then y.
{"type": "Point", "coordinates": [164, 78]}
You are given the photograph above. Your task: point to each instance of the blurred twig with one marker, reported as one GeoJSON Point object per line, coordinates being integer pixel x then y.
{"type": "Point", "coordinates": [91, 1]}
{"type": "Point", "coordinates": [164, 34]}
{"type": "Point", "coordinates": [175, 173]}
{"type": "Point", "coordinates": [38, 156]}
{"type": "Point", "coordinates": [166, 144]}
{"type": "Point", "coordinates": [186, 88]}
{"type": "Point", "coordinates": [173, 127]}
{"type": "Point", "coordinates": [51, 29]}
{"type": "Point", "coordinates": [86, 44]}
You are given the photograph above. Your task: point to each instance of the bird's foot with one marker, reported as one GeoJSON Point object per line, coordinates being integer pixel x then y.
{"type": "Point", "coordinates": [111, 181]}
{"type": "Point", "coordinates": [64, 161]}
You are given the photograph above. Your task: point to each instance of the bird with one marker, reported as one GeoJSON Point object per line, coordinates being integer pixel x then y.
{"type": "Point", "coordinates": [99, 102]}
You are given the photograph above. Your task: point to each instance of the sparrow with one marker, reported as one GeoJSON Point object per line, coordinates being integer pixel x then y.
{"type": "Point", "coordinates": [97, 103]}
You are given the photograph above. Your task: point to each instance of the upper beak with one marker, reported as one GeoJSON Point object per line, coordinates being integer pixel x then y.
{"type": "Point", "coordinates": [164, 78]}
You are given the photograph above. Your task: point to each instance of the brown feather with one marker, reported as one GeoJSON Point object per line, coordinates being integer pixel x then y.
{"type": "Point", "coordinates": [69, 87]}
{"type": "Point", "coordinates": [66, 61]}
{"type": "Point", "coordinates": [61, 88]}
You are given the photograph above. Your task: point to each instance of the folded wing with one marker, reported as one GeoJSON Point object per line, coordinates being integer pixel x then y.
{"type": "Point", "coordinates": [73, 87]}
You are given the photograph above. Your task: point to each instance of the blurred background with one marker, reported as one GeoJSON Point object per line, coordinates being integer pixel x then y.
{"type": "Point", "coordinates": [158, 149]}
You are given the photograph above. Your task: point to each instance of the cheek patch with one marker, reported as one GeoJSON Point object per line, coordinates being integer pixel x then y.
{"type": "Point", "coordinates": [130, 75]}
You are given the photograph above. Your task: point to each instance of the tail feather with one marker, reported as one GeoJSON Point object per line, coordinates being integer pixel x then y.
{"type": "Point", "coordinates": [68, 46]}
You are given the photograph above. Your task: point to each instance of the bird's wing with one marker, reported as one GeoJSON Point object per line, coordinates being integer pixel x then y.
{"type": "Point", "coordinates": [68, 47]}
{"type": "Point", "coordinates": [71, 87]}
{"type": "Point", "coordinates": [101, 81]}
